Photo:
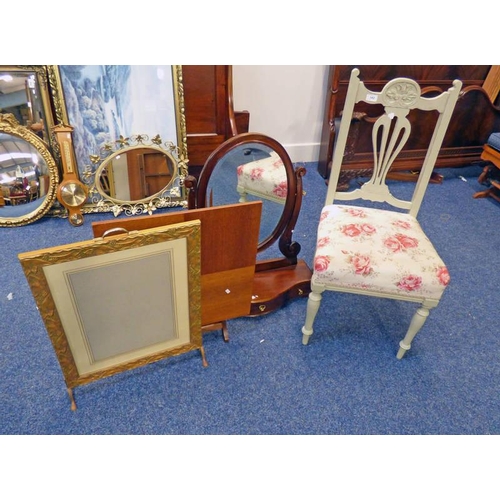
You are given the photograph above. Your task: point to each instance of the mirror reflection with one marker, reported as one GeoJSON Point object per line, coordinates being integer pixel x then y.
{"type": "Point", "coordinates": [136, 174]}
{"type": "Point", "coordinates": [24, 177]}
{"type": "Point", "coordinates": [251, 172]}
{"type": "Point", "coordinates": [28, 174]}
{"type": "Point", "coordinates": [20, 96]}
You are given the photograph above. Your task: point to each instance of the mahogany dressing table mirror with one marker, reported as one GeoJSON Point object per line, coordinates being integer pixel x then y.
{"type": "Point", "coordinates": [251, 167]}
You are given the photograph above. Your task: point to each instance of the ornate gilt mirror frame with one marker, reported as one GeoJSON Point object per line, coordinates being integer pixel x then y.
{"type": "Point", "coordinates": [29, 175]}
{"type": "Point", "coordinates": [107, 107]}
{"type": "Point", "coordinates": [99, 177]}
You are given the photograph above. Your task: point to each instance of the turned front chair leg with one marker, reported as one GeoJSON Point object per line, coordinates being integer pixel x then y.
{"type": "Point", "coordinates": [313, 303]}
{"type": "Point", "coordinates": [417, 322]}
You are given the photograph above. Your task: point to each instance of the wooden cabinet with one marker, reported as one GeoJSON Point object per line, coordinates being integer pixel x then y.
{"type": "Point", "coordinates": [474, 118]}
{"type": "Point", "coordinates": [209, 111]}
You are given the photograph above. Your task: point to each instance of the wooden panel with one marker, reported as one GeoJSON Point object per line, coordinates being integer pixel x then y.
{"type": "Point", "coordinates": [491, 84]}
{"type": "Point", "coordinates": [228, 253]}
{"type": "Point", "coordinates": [207, 109]}
{"type": "Point", "coordinates": [210, 116]}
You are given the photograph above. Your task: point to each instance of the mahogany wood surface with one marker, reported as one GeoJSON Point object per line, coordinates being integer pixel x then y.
{"type": "Point", "coordinates": [209, 111]}
{"type": "Point", "coordinates": [274, 287]}
{"type": "Point", "coordinates": [280, 279]}
{"type": "Point", "coordinates": [474, 118]}
{"type": "Point", "coordinates": [228, 253]}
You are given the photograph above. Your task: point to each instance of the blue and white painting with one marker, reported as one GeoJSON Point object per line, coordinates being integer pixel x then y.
{"type": "Point", "coordinates": [105, 102]}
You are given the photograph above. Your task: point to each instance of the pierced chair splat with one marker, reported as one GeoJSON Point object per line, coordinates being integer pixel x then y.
{"type": "Point", "coordinates": [381, 251]}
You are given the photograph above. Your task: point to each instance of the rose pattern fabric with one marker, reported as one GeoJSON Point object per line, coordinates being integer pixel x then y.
{"type": "Point", "coordinates": [376, 250]}
{"type": "Point", "coordinates": [266, 177]}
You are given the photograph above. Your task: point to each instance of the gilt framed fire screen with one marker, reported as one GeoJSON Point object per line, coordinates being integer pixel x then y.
{"type": "Point", "coordinates": [119, 302]}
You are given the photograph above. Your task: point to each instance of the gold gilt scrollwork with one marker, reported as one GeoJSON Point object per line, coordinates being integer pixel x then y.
{"type": "Point", "coordinates": [170, 195]}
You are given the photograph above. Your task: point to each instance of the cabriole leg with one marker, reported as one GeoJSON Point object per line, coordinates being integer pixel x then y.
{"type": "Point", "coordinates": [313, 303]}
{"type": "Point", "coordinates": [417, 322]}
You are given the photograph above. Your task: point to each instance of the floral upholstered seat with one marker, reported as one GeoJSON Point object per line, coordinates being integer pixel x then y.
{"type": "Point", "coordinates": [264, 178]}
{"type": "Point", "coordinates": [371, 249]}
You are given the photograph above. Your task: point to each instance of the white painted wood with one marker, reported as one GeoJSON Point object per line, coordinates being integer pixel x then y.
{"type": "Point", "coordinates": [390, 133]}
{"type": "Point", "coordinates": [313, 303]}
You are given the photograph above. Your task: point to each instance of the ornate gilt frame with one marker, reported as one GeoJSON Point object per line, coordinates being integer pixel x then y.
{"type": "Point", "coordinates": [50, 273]}
{"type": "Point", "coordinates": [43, 80]}
{"type": "Point", "coordinates": [9, 125]}
{"type": "Point", "coordinates": [172, 195]}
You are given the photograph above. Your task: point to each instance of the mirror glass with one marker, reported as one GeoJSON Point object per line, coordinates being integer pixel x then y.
{"type": "Point", "coordinates": [251, 172]}
{"type": "Point", "coordinates": [28, 174]}
{"type": "Point", "coordinates": [251, 167]}
{"type": "Point", "coordinates": [23, 93]}
{"type": "Point", "coordinates": [136, 174]}
{"type": "Point", "coordinates": [134, 177]}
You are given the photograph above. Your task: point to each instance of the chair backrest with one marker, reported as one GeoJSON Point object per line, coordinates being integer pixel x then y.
{"type": "Point", "coordinates": [390, 133]}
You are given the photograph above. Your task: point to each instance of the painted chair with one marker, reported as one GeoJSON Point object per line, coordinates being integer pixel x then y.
{"type": "Point", "coordinates": [381, 251]}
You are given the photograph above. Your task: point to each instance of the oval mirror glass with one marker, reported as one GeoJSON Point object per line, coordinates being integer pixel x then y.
{"type": "Point", "coordinates": [136, 174]}
{"type": "Point", "coordinates": [251, 167]}
{"type": "Point", "coordinates": [247, 173]}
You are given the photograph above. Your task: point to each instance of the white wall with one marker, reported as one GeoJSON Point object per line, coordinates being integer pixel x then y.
{"type": "Point", "coordinates": [285, 102]}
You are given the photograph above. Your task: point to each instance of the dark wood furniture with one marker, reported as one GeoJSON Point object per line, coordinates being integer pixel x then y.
{"type": "Point", "coordinates": [209, 111]}
{"type": "Point", "coordinates": [277, 280]}
{"type": "Point", "coordinates": [474, 118]}
{"type": "Point", "coordinates": [491, 173]}
{"type": "Point", "coordinates": [228, 255]}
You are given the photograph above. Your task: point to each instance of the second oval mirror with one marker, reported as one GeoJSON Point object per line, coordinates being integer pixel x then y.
{"type": "Point", "coordinates": [252, 167]}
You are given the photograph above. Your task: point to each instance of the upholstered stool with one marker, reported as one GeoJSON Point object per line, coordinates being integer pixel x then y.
{"type": "Point", "coordinates": [264, 178]}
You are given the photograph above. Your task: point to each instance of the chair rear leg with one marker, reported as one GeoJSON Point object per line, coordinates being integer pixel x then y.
{"type": "Point", "coordinates": [417, 322]}
{"type": "Point", "coordinates": [313, 303]}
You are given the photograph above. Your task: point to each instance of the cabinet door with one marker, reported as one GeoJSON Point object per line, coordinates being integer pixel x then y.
{"type": "Point", "coordinates": [208, 109]}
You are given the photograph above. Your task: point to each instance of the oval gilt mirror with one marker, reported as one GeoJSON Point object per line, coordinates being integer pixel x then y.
{"type": "Point", "coordinates": [28, 174]}
{"type": "Point", "coordinates": [135, 176]}
{"type": "Point", "coordinates": [108, 106]}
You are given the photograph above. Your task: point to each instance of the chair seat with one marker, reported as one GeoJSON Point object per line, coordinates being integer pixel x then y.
{"type": "Point", "coordinates": [377, 251]}
{"type": "Point", "coordinates": [265, 177]}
